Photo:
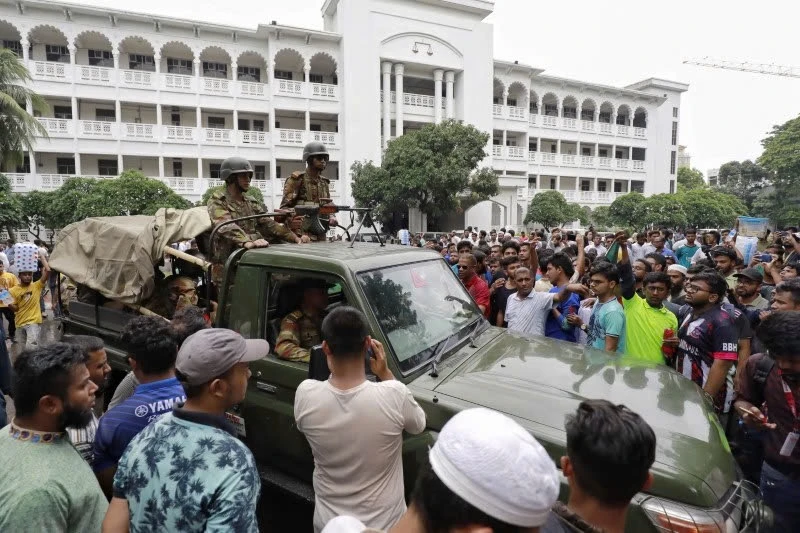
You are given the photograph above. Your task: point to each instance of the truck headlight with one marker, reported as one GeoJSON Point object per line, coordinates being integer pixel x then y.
{"type": "Point", "coordinates": [677, 518]}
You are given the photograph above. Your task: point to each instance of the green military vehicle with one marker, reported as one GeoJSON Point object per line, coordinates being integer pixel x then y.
{"type": "Point", "coordinates": [452, 359]}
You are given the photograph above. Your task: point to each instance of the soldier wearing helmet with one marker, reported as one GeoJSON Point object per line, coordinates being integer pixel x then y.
{"type": "Point", "coordinates": [232, 203]}
{"type": "Point", "coordinates": [309, 187]}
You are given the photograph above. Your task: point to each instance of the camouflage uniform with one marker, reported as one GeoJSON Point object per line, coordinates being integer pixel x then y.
{"type": "Point", "coordinates": [233, 236]}
{"type": "Point", "coordinates": [299, 333]}
{"type": "Point", "coordinates": [301, 189]}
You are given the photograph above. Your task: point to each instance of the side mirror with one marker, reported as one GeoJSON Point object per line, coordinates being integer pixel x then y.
{"type": "Point", "coordinates": [318, 365]}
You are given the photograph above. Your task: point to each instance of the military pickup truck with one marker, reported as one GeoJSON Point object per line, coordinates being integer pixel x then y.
{"type": "Point", "coordinates": [452, 359]}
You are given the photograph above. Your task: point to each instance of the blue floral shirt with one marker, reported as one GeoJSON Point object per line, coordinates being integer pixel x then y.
{"type": "Point", "coordinates": [187, 472]}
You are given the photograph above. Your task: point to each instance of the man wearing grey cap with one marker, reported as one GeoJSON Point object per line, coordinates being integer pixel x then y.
{"type": "Point", "coordinates": [188, 469]}
{"type": "Point", "coordinates": [748, 289]}
{"type": "Point", "coordinates": [486, 473]}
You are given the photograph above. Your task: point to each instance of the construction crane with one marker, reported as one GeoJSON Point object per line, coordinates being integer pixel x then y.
{"type": "Point", "coordinates": [746, 66]}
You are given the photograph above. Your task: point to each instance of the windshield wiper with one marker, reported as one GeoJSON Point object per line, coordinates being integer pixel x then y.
{"type": "Point", "coordinates": [442, 347]}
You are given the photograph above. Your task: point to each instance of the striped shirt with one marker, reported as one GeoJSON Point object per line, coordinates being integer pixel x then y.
{"type": "Point", "coordinates": [528, 314]}
{"type": "Point", "coordinates": [82, 438]}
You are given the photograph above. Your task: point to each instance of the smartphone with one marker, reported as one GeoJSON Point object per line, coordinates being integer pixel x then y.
{"type": "Point", "coordinates": [766, 258]}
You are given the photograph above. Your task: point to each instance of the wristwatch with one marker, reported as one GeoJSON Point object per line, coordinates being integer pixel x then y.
{"type": "Point", "coordinates": [584, 327]}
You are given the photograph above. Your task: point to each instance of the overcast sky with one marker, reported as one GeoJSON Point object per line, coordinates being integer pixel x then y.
{"type": "Point", "coordinates": [724, 115]}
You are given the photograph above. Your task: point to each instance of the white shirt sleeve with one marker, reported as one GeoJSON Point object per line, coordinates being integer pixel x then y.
{"type": "Point", "coordinates": [413, 415]}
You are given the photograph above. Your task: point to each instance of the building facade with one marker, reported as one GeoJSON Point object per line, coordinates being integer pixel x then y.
{"type": "Point", "coordinates": [173, 98]}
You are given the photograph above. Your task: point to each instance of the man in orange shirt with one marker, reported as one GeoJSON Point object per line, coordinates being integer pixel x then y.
{"type": "Point", "coordinates": [7, 281]}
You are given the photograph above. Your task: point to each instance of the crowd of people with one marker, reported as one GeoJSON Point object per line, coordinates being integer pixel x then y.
{"type": "Point", "coordinates": [678, 299]}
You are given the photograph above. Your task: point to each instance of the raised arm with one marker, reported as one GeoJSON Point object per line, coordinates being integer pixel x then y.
{"type": "Point", "coordinates": [579, 240]}
{"type": "Point", "coordinates": [628, 283]}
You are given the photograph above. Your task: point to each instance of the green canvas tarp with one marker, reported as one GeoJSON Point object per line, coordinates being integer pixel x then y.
{"type": "Point", "coordinates": [116, 255]}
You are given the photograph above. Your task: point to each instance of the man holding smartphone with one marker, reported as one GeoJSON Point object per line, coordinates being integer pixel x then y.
{"type": "Point", "coordinates": [355, 427]}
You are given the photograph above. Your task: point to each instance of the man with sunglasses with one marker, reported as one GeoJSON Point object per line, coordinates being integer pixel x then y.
{"type": "Point", "coordinates": [232, 202]}
{"type": "Point", "coordinates": [309, 187]}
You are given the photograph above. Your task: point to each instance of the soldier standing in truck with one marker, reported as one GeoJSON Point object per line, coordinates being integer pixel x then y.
{"type": "Point", "coordinates": [232, 203]}
{"type": "Point", "coordinates": [309, 187]}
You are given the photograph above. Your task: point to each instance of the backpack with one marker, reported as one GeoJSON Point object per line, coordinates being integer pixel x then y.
{"type": "Point", "coordinates": [763, 369]}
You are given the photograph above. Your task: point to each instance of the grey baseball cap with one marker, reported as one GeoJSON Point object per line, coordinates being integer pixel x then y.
{"type": "Point", "coordinates": [209, 353]}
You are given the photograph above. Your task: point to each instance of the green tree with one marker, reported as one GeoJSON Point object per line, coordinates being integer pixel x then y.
{"type": "Point", "coordinates": [601, 217]}
{"type": "Point", "coordinates": [550, 209]}
{"type": "Point", "coordinates": [132, 193]}
{"type": "Point", "coordinates": [37, 211]}
{"type": "Point", "coordinates": [706, 208]}
{"type": "Point", "coordinates": [432, 169]}
{"type": "Point", "coordinates": [690, 178]}
{"type": "Point", "coordinates": [18, 128]}
{"type": "Point", "coordinates": [781, 159]}
{"type": "Point", "coordinates": [622, 211]}
{"type": "Point", "coordinates": [745, 180]}
{"type": "Point", "coordinates": [65, 199]}
{"type": "Point", "coordinates": [10, 208]}
{"type": "Point", "coordinates": [253, 192]}
{"type": "Point", "coordinates": [660, 210]}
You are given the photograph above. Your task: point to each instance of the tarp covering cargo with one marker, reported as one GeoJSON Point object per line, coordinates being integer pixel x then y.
{"type": "Point", "coordinates": [115, 255]}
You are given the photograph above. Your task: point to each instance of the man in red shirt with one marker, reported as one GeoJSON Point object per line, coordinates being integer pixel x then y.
{"type": "Point", "coordinates": [475, 284]}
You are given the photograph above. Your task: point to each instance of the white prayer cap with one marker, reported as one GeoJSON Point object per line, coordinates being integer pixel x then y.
{"type": "Point", "coordinates": [677, 268]}
{"type": "Point", "coordinates": [495, 465]}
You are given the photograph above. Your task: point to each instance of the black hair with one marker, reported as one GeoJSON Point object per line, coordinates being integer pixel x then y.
{"type": "Point", "coordinates": [691, 230]}
{"type": "Point", "coordinates": [87, 343]}
{"type": "Point", "coordinates": [792, 286]}
{"type": "Point", "coordinates": [647, 266]}
{"type": "Point", "coordinates": [479, 256]}
{"type": "Point", "coordinates": [544, 257]}
{"type": "Point", "coordinates": [438, 248]}
{"type": "Point", "coordinates": [606, 269]}
{"type": "Point", "coordinates": [794, 265]}
{"type": "Point", "coordinates": [571, 250]}
{"type": "Point", "coordinates": [562, 261]}
{"type": "Point", "coordinates": [716, 283]}
{"type": "Point", "coordinates": [492, 260]}
{"type": "Point", "coordinates": [611, 449]}
{"type": "Point", "coordinates": [482, 233]}
{"type": "Point", "coordinates": [441, 509]}
{"type": "Point", "coordinates": [705, 262]}
{"type": "Point", "coordinates": [697, 268]}
{"type": "Point", "coordinates": [506, 262]}
{"type": "Point", "coordinates": [511, 231]}
{"type": "Point", "coordinates": [716, 234]}
{"type": "Point", "coordinates": [775, 333]}
{"type": "Point", "coordinates": [187, 321]}
{"type": "Point", "coordinates": [149, 342]}
{"type": "Point", "coordinates": [657, 277]}
{"type": "Point", "coordinates": [462, 244]}
{"type": "Point", "coordinates": [42, 372]}
{"type": "Point", "coordinates": [660, 259]}
{"type": "Point", "coordinates": [510, 244]}
{"type": "Point", "coordinates": [345, 330]}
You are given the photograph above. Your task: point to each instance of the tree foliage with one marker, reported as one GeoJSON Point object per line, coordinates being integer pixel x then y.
{"type": "Point", "coordinates": [132, 193]}
{"type": "Point", "coordinates": [550, 209]}
{"type": "Point", "coordinates": [37, 207]}
{"type": "Point", "coordinates": [781, 160]}
{"type": "Point", "coordinates": [18, 128]}
{"type": "Point", "coordinates": [690, 178]}
{"type": "Point", "coordinates": [64, 206]}
{"type": "Point", "coordinates": [622, 211]}
{"type": "Point", "coordinates": [601, 217]}
{"type": "Point", "coordinates": [253, 192]}
{"type": "Point", "coordinates": [659, 210]}
{"type": "Point", "coordinates": [432, 169]}
{"type": "Point", "coordinates": [745, 180]}
{"type": "Point", "coordinates": [10, 207]}
{"type": "Point", "coordinates": [706, 208]}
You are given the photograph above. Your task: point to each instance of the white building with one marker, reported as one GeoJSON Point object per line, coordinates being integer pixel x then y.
{"type": "Point", "coordinates": [175, 97]}
{"type": "Point", "coordinates": [684, 157]}
{"type": "Point", "coordinates": [713, 177]}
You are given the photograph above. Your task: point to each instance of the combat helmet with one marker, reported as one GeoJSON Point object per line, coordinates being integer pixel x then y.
{"type": "Point", "coordinates": [233, 166]}
{"type": "Point", "coordinates": [314, 148]}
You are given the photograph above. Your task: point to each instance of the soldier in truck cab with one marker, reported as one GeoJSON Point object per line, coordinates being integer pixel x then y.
{"type": "Point", "coordinates": [232, 203]}
{"type": "Point", "coordinates": [300, 329]}
{"type": "Point", "coordinates": [309, 187]}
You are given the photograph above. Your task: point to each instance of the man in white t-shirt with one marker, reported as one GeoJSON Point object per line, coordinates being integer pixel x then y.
{"type": "Point", "coordinates": [526, 310]}
{"type": "Point", "coordinates": [364, 480]}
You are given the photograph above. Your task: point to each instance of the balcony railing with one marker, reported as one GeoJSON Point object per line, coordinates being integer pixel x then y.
{"type": "Point", "coordinates": [292, 137]}
{"type": "Point", "coordinates": [97, 128]}
{"type": "Point", "coordinates": [623, 130]}
{"type": "Point", "coordinates": [640, 133]}
{"type": "Point", "coordinates": [57, 127]}
{"type": "Point", "coordinates": [533, 156]}
{"type": "Point", "coordinates": [178, 134]}
{"type": "Point", "coordinates": [532, 118]}
{"type": "Point", "coordinates": [186, 185]}
{"type": "Point", "coordinates": [568, 160]}
{"type": "Point", "coordinates": [549, 122]}
{"type": "Point", "coordinates": [587, 161]}
{"type": "Point", "coordinates": [18, 181]}
{"type": "Point", "coordinates": [605, 162]}
{"type": "Point", "coordinates": [216, 85]}
{"type": "Point", "coordinates": [587, 125]}
{"type": "Point", "coordinates": [328, 138]}
{"type": "Point", "coordinates": [218, 136]}
{"type": "Point", "coordinates": [289, 87]}
{"type": "Point", "coordinates": [142, 132]}
{"type": "Point", "coordinates": [605, 127]}
{"type": "Point", "coordinates": [569, 123]}
{"type": "Point", "coordinates": [51, 182]}
{"type": "Point", "coordinates": [251, 88]}
{"type": "Point", "coordinates": [254, 137]}
{"type": "Point", "coordinates": [49, 70]}
{"type": "Point", "coordinates": [265, 186]}
{"type": "Point", "coordinates": [178, 82]}
{"type": "Point", "coordinates": [515, 152]}
{"type": "Point", "coordinates": [622, 163]}
{"type": "Point", "coordinates": [95, 75]}
{"type": "Point", "coordinates": [138, 78]}
{"type": "Point", "coordinates": [638, 165]}
{"type": "Point", "coordinates": [598, 197]}
{"type": "Point", "coordinates": [497, 150]}
{"type": "Point", "coordinates": [517, 113]}
{"type": "Point", "coordinates": [548, 158]}
{"type": "Point", "coordinates": [497, 110]}
{"type": "Point", "coordinates": [323, 90]}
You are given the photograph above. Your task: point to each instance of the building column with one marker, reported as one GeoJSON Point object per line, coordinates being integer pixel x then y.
{"type": "Point", "coordinates": [613, 151]}
{"type": "Point", "coordinates": [438, 75]}
{"type": "Point", "coordinates": [308, 122]}
{"type": "Point", "coordinates": [115, 55]}
{"type": "Point", "coordinates": [200, 167]}
{"type": "Point", "coordinates": [197, 64]}
{"type": "Point", "coordinates": [614, 118]}
{"type": "Point", "coordinates": [399, 69]}
{"type": "Point", "coordinates": [558, 183]}
{"type": "Point", "coordinates": [539, 146]}
{"type": "Point", "coordinates": [159, 117]}
{"type": "Point", "coordinates": [558, 150]}
{"type": "Point", "coordinates": [234, 71]}
{"type": "Point", "coordinates": [199, 118]}
{"type": "Point", "coordinates": [161, 166]}
{"type": "Point", "coordinates": [597, 149]}
{"type": "Point", "coordinates": [118, 116]}
{"type": "Point", "coordinates": [120, 166]}
{"type": "Point", "coordinates": [77, 158]}
{"type": "Point", "coordinates": [386, 73]}
{"type": "Point", "coordinates": [157, 61]}
{"type": "Point", "coordinates": [72, 52]}
{"type": "Point", "coordinates": [449, 79]}
{"type": "Point", "coordinates": [577, 184]}
{"type": "Point", "coordinates": [630, 155]}
{"type": "Point", "coordinates": [25, 51]}
{"type": "Point", "coordinates": [504, 151]}
{"type": "Point", "coordinates": [307, 79]}
{"type": "Point", "coordinates": [32, 162]}
{"type": "Point", "coordinates": [578, 111]}
{"type": "Point", "coordinates": [578, 153]}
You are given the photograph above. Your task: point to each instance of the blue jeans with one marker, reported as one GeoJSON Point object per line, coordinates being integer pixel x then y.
{"type": "Point", "coordinates": [782, 495]}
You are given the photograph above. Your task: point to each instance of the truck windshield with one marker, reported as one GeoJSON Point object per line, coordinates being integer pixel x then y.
{"type": "Point", "coordinates": [418, 306]}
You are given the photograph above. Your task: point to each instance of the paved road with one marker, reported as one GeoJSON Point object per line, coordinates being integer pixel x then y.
{"type": "Point", "coordinates": [277, 511]}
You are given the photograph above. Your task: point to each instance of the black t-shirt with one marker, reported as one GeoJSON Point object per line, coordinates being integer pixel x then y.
{"type": "Point", "coordinates": [500, 300]}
